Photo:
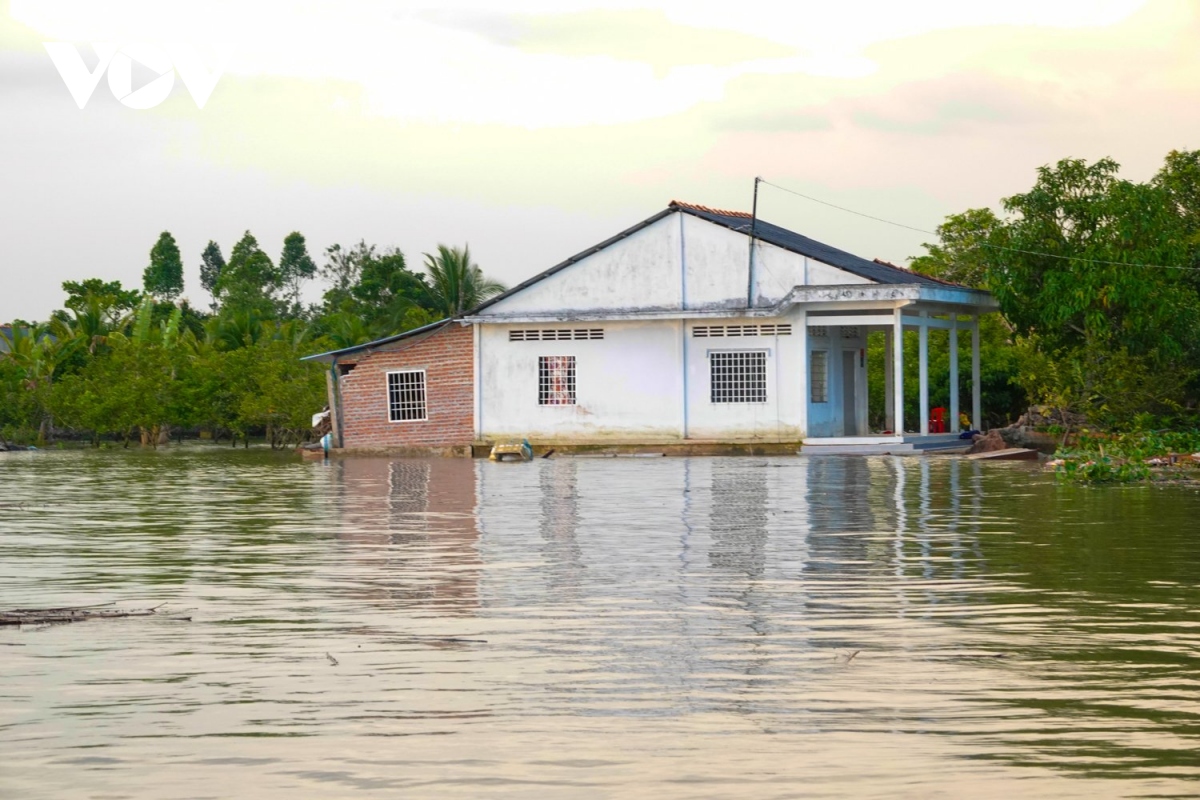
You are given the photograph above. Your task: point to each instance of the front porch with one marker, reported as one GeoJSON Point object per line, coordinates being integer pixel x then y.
{"type": "Point", "coordinates": [838, 415]}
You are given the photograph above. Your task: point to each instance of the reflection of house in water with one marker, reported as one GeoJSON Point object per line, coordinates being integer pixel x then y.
{"type": "Point", "coordinates": [562, 555]}
{"type": "Point", "coordinates": [422, 513]}
{"type": "Point", "coordinates": [739, 517]}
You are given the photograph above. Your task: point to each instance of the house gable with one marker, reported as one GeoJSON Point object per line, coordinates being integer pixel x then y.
{"type": "Point", "coordinates": [676, 260]}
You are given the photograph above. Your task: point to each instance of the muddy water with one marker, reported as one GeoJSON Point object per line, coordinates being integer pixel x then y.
{"type": "Point", "coordinates": [742, 628]}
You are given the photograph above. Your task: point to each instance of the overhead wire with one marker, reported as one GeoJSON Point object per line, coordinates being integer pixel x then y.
{"type": "Point", "coordinates": [979, 244]}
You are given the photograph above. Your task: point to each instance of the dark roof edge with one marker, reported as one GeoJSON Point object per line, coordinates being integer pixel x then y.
{"type": "Point", "coordinates": [333, 355]}
{"type": "Point", "coordinates": [573, 259]}
{"type": "Point", "coordinates": [743, 225]}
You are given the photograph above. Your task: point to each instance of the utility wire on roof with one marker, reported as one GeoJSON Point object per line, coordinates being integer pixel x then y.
{"type": "Point", "coordinates": [981, 244]}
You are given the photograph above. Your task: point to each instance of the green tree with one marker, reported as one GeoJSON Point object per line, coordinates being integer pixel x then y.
{"type": "Point", "coordinates": [456, 283]}
{"type": "Point", "coordinates": [250, 279]}
{"type": "Point", "coordinates": [295, 268]}
{"type": "Point", "coordinates": [1098, 275]}
{"type": "Point", "coordinates": [164, 275]}
{"type": "Point", "coordinates": [212, 264]}
{"type": "Point", "coordinates": [107, 295]}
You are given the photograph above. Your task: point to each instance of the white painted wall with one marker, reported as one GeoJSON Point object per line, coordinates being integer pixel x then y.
{"type": "Point", "coordinates": [640, 271]}
{"type": "Point", "coordinates": [679, 262]}
{"type": "Point", "coordinates": [630, 386]}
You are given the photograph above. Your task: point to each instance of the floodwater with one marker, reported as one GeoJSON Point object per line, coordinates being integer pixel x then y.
{"type": "Point", "coordinates": [590, 628]}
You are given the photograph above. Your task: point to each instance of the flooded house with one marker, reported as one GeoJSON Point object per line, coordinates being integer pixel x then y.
{"type": "Point", "coordinates": [695, 329]}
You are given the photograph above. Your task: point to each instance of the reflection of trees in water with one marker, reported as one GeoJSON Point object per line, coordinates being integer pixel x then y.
{"type": "Point", "coordinates": [423, 512]}
{"type": "Point", "coordinates": [563, 559]}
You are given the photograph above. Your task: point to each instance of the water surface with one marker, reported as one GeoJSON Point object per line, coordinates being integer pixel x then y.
{"type": "Point", "coordinates": [704, 627]}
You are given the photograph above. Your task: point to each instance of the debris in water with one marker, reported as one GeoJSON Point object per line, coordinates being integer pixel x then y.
{"type": "Point", "coordinates": [49, 616]}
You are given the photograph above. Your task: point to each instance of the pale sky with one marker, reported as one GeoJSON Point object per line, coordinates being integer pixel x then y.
{"type": "Point", "coordinates": [532, 129]}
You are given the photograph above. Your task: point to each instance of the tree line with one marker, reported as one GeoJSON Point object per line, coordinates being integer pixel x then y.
{"type": "Point", "coordinates": [1098, 281]}
{"type": "Point", "coordinates": [125, 364]}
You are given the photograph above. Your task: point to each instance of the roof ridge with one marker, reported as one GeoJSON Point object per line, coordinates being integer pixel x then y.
{"type": "Point", "coordinates": [698, 207]}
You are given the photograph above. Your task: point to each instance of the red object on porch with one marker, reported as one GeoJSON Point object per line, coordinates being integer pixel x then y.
{"type": "Point", "coordinates": [937, 420]}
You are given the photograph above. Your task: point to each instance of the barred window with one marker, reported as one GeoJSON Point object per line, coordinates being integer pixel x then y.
{"type": "Point", "coordinates": [818, 376]}
{"type": "Point", "coordinates": [818, 330]}
{"type": "Point", "coordinates": [556, 380]}
{"type": "Point", "coordinates": [406, 396]}
{"type": "Point", "coordinates": [738, 377]}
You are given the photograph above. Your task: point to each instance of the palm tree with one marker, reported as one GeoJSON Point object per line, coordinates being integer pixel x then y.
{"type": "Point", "coordinates": [456, 284]}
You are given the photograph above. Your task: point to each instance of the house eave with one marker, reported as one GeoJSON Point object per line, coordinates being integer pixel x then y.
{"type": "Point", "coordinates": [879, 296]}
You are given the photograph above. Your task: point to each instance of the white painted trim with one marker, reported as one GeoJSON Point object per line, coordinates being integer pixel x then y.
{"type": "Point", "coordinates": [852, 440]}
{"type": "Point", "coordinates": [851, 319]}
{"type": "Point", "coordinates": [926, 322]}
{"type": "Point", "coordinates": [388, 397]}
{"type": "Point", "coordinates": [898, 374]}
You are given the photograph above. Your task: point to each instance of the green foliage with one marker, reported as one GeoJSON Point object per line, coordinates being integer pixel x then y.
{"type": "Point", "coordinates": [107, 295]}
{"type": "Point", "coordinates": [295, 267]}
{"type": "Point", "coordinates": [249, 281]}
{"type": "Point", "coordinates": [372, 294]}
{"type": "Point", "coordinates": [164, 275]}
{"type": "Point", "coordinates": [1130, 457]}
{"type": "Point", "coordinates": [119, 363]}
{"type": "Point", "coordinates": [1003, 400]}
{"type": "Point", "coordinates": [1098, 331]}
{"type": "Point", "coordinates": [456, 283]}
{"type": "Point", "coordinates": [212, 264]}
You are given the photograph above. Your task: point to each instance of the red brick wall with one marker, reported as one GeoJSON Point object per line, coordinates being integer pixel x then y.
{"type": "Point", "coordinates": [447, 355]}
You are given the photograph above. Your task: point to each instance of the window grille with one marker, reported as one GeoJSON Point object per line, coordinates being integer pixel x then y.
{"type": "Point", "coordinates": [818, 376]}
{"type": "Point", "coordinates": [722, 331]}
{"type": "Point", "coordinates": [406, 396]}
{"type": "Point", "coordinates": [849, 331]}
{"type": "Point", "coordinates": [556, 380]}
{"type": "Point", "coordinates": [555, 334]}
{"type": "Point", "coordinates": [819, 331]}
{"type": "Point", "coordinates": [738, 376]}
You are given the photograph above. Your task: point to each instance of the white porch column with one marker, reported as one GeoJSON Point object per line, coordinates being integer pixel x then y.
{"type": "Point", "coordinates": [954, 426]}
{"type": "Point", "coordinates": [889, 382]}
{"type": "Point", "coordinates": [898, 373]}
{"type": "Point", "coordinates": [976, 392]}
{"type": "Point", "coordinates": [923, 372]}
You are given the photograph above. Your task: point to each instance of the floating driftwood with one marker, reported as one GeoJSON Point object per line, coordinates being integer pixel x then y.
{"type": "Point", "coordinates": [47, 616]}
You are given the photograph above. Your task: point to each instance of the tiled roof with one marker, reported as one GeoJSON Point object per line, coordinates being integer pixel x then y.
{"type": "Point", "coordinates": [695, 207]}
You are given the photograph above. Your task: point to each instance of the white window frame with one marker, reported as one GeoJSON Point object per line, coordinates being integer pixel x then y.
{"type": "Point", "coordinates": [766, 377]}
{"type": "Point", "coordinates": [573, 381]}
{"type": "Point", "coordinates": [424, 394]}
